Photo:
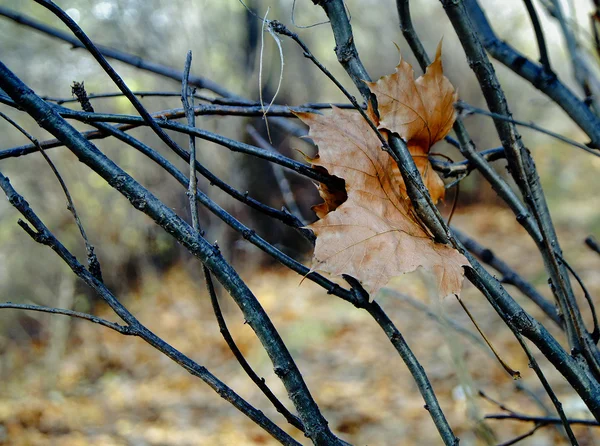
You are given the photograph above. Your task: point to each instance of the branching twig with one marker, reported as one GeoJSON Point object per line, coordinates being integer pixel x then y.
{"type": "Point", "coordinates": [546, 82]}
{"type": "Point", "coordinates": [525, 175]}
{"type": "Point", "coordinates": [509, 275]}
{"type": "Point", "coordinates": [143, 200]}
{"type": "Point", "coordinates": [92, 259]}
{"type": "Point", "coordinates": [41, 234]}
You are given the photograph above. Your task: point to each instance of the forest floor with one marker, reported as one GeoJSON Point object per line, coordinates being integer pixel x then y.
{"type": "Point", "coordinates": [113, 390]}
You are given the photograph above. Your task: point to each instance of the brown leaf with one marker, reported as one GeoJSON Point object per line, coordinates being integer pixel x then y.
{"type": "Point", "coordinates": [373, 235]}
{"type": "Point", "coordinates": [421, 111]}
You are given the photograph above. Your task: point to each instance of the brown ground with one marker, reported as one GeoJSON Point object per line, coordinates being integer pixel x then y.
{"type": "Point", "coordinates": [115, 390]}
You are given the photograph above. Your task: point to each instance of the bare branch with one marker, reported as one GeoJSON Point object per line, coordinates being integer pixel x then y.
{"type": "Point", "coordinates": [541, 420]}
{"type": "Point", "coordinates": [41, 234]}
{"type": "Point", "coordinates": [121, 56]}
{"type": "Point", "coordinates": [123, 329]}
{"type": "Point", "coordinates": [509, 275]}
{"type": "Point", "coordinates": [464, 107]}
{"type": "Point", "coordinates": [93, 262]}
{"type": "Point", "coordinates": [546, 82]}
{"type": "Point", "coordinates": [143, 200]}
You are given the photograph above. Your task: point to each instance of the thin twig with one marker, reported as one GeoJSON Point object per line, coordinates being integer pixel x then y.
{"type": "Point", "coordinates": [509, 275]}
{"type": "Point", "coordinates": [517, 439]}
{"type": "Point", "coordinates": [188, 105]}
{"type": "Point", "coordinates": [542, 405]}
{"type": "Point", "coordinates": [515, 374]}
{"type": "Point", "coordinates": [473, 337]}
{"type": "Point", "coordinates": [464, 107]}
{"type": "Point", "coordinates": [500, 405]}
{"type": "Point", "coordinates": [92, 259]}
{"type": "Point", "coordinates": [143, 200]}
{"type": "Point", "coordinates": [260, 382]}
{"type": "Point", "coordinates": [557, 404]}
{"type": "Point", "coordinates": [541, 420]}
{"type": "Point", "coordinates": [41, 234]}
{"type": "Point", "coordinates": [596, 330]}
{"type": "Point", "coordinates": [123, 329]}
{"type": "Point", "coordinates": [280, 108]}
{"type": "Point", "coordinates": [592, 244]}
{"type": "Point", "coordinates": [539, 35]}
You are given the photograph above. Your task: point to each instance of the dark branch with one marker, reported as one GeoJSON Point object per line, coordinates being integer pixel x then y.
{"type": "Point", "coordinates": [540, 420]}
{"type": "Point", "coordinates": [539, 35]}
{"type": "Point", "coordinates": [544, 81]}
{"type": "Point", "coordinates": [143, 200]}
{"type": "Point", "coordinates": [41, 234]}
{"type": "Point", "coordinates": [509, 275]}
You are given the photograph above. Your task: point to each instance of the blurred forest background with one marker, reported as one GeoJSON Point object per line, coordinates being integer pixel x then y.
{"type": "Point", "coordinates": [72, 383]}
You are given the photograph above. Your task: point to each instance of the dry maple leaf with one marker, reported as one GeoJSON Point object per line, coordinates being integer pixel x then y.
{"type": "Point", "coordinates": [373, 235]}
{"type": "Point", "coordinates": [421, 111]}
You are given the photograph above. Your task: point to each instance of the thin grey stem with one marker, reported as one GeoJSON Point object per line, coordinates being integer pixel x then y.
{"type": "Point", "coordinates": [92, 259]}
{"type": "Point", "coordinates": [464, 107]}
{"type": "Point", "coordinates": [123, 329]}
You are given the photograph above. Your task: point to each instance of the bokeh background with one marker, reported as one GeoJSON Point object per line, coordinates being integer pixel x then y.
{"type": "Point", "coordinates": [72, 383]}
